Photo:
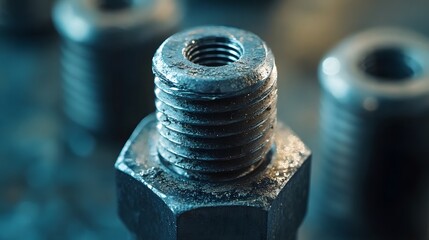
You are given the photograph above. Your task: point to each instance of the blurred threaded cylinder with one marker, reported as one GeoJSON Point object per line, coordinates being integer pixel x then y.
{"type": "Point", "coordinates": [106, 90]}
{"type": "Point", "coordinates": [373, 172]}
{"type": "Point", "coordinates": [107, 52]}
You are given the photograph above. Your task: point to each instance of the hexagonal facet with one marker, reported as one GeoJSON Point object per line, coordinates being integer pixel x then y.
{"type": "Point", "coordinates": [155, 203]}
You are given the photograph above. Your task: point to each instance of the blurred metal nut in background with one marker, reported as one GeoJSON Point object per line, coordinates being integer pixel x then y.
{"type": "Point", "coordinates": [373, 173]}
{"type": "Point", "coordinates": [25, 15]}
{"type": "Point", "coordinates": [107, 51]}
{"type": "Point", "coordinates": [212, 163]}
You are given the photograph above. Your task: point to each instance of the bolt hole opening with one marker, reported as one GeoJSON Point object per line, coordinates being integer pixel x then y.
{"type": "Point", "coordinates": [213, 51]}
{"type": "Point", "coordinates": [390, 64]}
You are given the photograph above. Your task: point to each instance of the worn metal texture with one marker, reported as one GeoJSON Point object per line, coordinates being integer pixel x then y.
{"type": "Point", "coordinates": [374, 171]}
{"type": "Point", "coordinates": [216, 95]}
{"type": "Point", "coordinates": [106, 60]}
{"type": "Point", "coordinates": [155, 203]}
{"type": "Point", "coordinates": [213, 164]}
{"type": "Point", "coordinates": [25, 16]}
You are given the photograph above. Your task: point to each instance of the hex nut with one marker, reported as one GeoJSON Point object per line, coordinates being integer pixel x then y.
{"type": "Point", "coordinates": [157, 204]}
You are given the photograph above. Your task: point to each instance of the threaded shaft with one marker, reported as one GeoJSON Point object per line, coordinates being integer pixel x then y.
{"type": "Point", "coordinates": [100, 87]}
{"type": "Point", "coordinates": [82, 95]}
{"type": "Point", "coordinates": [216, 135]}
{"type": "Point", "coordinates": [372, 174]}
{"type": "Point", "coordinates": [373, 168]}
{"type": "Point", "coordinates": [346, 139]}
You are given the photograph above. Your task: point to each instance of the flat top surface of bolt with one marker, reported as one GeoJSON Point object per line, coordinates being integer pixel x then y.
{"type": "Point", "coordinates": [359, 73]}
{"type": "Point", "coordinates": [92, 20]}
{"type": "Point", "coordinates": [250, 61]}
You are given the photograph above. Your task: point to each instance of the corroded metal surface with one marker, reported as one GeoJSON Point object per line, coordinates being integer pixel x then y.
{"type": "Point", "coordinates": [155, 203]}
{"type": "Point", "coordinates": [216, 96]}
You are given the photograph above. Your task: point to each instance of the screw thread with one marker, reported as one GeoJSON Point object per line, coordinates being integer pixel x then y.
{"type": "Point", "coordinates": [346, 138]}
{"type": "Point", "coordinates": [99, 87]}
{"type": "Point", "coordinates": [208, 138]}
{"type": "Point", "coordinates": [373, 172]}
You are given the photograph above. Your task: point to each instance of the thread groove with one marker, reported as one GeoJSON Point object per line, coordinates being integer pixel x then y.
{"type": "Point", "coordinates": [358, 150]}
{"type": "Point", "coordinates": [205, 142]}
{"type": "Point", "coordinates": [215, 131]}
{"type": "Point", "coordinates": [219, 142]}
{"type": "Point", "coordinates": [99, 87]}
{"type": "Point", "coordinates": [344, 160]}
{"type": "Point", "coordinates": [219, 118]}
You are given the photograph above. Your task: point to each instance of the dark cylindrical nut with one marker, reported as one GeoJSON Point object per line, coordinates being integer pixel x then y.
{"type": "Point", "coordinates": [106, 60]}
{"type": "Point", "coordinates": [374, 168]}
{"type": "Point", "coordinates": [212, 163]}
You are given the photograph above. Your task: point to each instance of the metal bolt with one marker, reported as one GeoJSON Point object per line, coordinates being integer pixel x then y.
{"type": "Point", "coordinates": [212, 163]}
{"type": "Point", "coordinates": [374, 168]}
{"type": "Point", "coordinates": [106, 60]}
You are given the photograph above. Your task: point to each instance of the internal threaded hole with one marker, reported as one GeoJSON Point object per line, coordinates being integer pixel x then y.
{"type": "Point", "coordinates": [390, 64]}
{"type": "Point", "coordinates": [213, 51]}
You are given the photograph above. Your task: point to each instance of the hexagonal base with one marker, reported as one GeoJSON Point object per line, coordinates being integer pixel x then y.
{"type": "Point", "coordinates": [155, 203]}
